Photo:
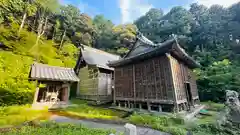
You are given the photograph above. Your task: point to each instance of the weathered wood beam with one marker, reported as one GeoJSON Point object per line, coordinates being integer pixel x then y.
{"type": "Point", "coordinates": [145, 100]}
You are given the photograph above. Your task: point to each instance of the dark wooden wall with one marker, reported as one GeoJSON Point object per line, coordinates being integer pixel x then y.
{"type": "Point", "coordinates": [179, 76]}
{"type": "Point", "coordinates": [182, 74]}
{"type": "Point", "coordinates": [124, 82]}
{"type": "Point", "coordinates": [149, 80]}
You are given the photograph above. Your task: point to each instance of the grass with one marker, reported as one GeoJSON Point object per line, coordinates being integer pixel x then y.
{"type": "Point", "coordinates": [213, 112]}
{"type": "Point", "coordinates": [83, 110]}
{"type": "Point", "coordinates": [15, 115]}
{"type": "Point", "coordinates": [172, 125]}
{"type": "Point", "coordinates": [214, 106]}
{"type": "Point", "coordinates": [58, 129]}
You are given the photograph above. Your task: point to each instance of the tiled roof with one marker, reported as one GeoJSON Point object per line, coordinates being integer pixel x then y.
{"type": "Point", "coordinates": [144, 49]}
{"type": "Point", "coordinates": [97, 57]}
{"type": "Point", "coordinates": [52, 73]}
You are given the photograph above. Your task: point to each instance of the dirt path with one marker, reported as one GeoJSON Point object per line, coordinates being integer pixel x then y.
{"type": "Point", "coordinates": [118, 128]}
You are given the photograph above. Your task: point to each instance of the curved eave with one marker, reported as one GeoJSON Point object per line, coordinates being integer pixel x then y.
{"type": "Point", "coordinates": [170, 46]}
{"type": "Point", "coordinates": [179, 53]}
{"type": "Point", "coordinates": [159, 50]}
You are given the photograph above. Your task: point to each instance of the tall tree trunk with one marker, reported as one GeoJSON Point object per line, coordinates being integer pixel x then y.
{"type": "Point", "coordinates": [64, 34]}
{"type": "Point", "coordinates": [40, 31]}
{"type": "Point", "coordinates": [53, 34]}
{"type": "Point", "coordinates": [23, 21]}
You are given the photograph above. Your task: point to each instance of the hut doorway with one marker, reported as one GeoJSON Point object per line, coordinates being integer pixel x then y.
{"type": "Point", "coordinates": [52, 93]}
{"type": "Point", "coordinates": [188, 93]}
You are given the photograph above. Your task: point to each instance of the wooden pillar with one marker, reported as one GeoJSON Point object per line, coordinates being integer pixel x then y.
{"type": "Point", "coordinates": [114, 91]}
{"type": "Point", "coordinates": [119, 104]}
{"type": "Point", "coordinates": [185, 106]}
{"type": "Point", "coordinates": [148, 106]}
{"type": "Point", "coordinates": [140, 106]}
{"type": "Point", "coordinates": [66, 92]}
{"type": "Point", "coordinates": [36, 92]}
{"type": "Point", "coordinates": [125, 104]}
{"type": "Point", "coordinates": [176, 108]}
{"type": "Point", "coordinates": [160, 108]}
{"type": "Point", "coordinates": [36, 95]}
{"type": "Point", "coordinates": [78, 89]}
{"type": "Point", "coordinates": [134, 85]}
{"type": "Point", "coordinates": [128, 103]}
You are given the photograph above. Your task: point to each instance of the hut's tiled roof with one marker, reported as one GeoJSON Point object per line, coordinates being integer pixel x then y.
{"type": "Point", "coordinates": [52, 73]}
{"type": "Point", "coordinates": [97, 57]}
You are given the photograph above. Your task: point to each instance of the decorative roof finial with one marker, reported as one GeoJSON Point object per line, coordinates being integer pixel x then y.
{"type": "Point", "coordinates": [175, 38]}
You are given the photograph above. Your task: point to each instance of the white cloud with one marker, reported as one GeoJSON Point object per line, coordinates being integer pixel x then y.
{"type": "Point", "coordinates": [132, 9]}
{"type": "Point", "coordinates": [225, 3]}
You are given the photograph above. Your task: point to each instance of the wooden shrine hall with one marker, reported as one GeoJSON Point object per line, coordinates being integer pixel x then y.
{"type": "Point", "coordinates": [96, 76]}
{"type": "Point", "coordinates": [155, 77]}
{"type": "Point", "coordinates": [53, 85]}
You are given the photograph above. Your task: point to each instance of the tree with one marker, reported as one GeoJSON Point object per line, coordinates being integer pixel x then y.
{"type": "Point", "coordinates": [45, 9]}
{"type": "Point", "coordinates": [104, 34]}
{"type": "Point", "coordinates": [147, 23]}
{"type": "Point", "coordinates": [29, 9]}
{"type": "Point", "coordinates": [70, 16]}
{"type": "Point", "coordinates": [126, 34]}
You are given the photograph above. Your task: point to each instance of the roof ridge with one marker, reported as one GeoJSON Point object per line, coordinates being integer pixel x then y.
{"type": "Point", "coordinates": [36, 63]}
{"type": "Point", "coordinates": [98, 50]}
{"type": "Point", "coordinates": [145, 40]}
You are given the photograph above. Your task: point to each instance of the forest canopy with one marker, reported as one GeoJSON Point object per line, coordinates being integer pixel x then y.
{"type": "Point", "coordinates": [51, 33]}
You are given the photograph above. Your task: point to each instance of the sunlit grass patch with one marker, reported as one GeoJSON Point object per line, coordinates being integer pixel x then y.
{"type": "Point", "coordinates": [15, 115]}
{"type": "Point", "coordinates": [82, 109]}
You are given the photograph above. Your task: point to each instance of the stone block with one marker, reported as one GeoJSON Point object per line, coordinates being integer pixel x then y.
{"type": "Point", "coordinates": [130, 129]}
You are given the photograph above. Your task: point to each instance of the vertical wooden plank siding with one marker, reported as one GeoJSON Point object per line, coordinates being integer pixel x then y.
{"type": "Point", "coordinates": [88, 85]}
{"type": "Point", "coordinates": [145, 81]}
{"type": "Point", "coordinates": [168, 76]}
{"type": "Point", "coordinates": [134, 84]}
{"type": "Point", "coordinates": [193, 84]}
{"type": "Point", "coordinates": [188, 76]}
{"type": "Point", "coordinates": [124, 82]}
{"type": "Point", "coordinates": [175, 94]}
{"type": "Point", "coordinates": [178, 79]}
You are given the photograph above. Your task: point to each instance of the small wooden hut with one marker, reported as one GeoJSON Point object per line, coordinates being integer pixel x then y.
{"type": "Point", "coordinates": [155, 77]}
{"type": "Point", "coordinates": [53, 85]}
{"type": "Point", "coordinates": [96, 76]}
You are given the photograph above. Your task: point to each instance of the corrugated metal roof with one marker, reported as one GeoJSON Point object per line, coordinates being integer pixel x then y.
{"type": "Point", "coordinates": [52, 73]}
{"type": "Point", "coordinates": [97, 57]}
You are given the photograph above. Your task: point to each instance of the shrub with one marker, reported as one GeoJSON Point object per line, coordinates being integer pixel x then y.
{"type": "Point", "coordinates": [9, 97]}
{"type": "Point", "coordinates": [15, 115]}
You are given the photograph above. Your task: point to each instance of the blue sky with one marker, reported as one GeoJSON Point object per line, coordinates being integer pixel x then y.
{"type": "Point", "coordinates": [126, 11]}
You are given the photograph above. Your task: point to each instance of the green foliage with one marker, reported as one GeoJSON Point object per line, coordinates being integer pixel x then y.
{"type": "Point", "coordinates": [56, 129]}
{"type": "Point", "coordinates": [15, 115]}
{"type": "Point", "coordinates": [217, 78]}
{"type": "Point", "coordinates": [213, 129]}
